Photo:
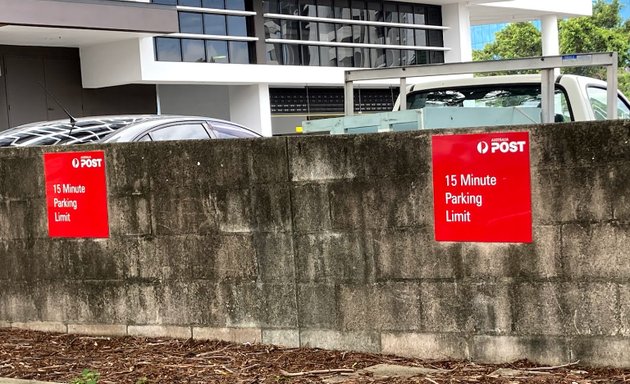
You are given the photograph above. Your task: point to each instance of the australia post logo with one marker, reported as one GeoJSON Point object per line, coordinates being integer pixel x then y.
{"type": "Point", "coordinates": [501, 145]}
{"type": "Point", "coordinates": [86, 162]}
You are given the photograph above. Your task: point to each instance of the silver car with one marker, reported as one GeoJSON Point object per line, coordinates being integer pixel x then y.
{"type": "Point", "coordinates": [124, 128]}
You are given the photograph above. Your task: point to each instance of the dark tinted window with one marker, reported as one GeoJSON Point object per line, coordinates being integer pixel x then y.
{"type": "Point", "coordinates": [168, 49]}
{"type": "Point", "coordinates": [291, 54]}
{"type": "Point", "coordinates": [190, 22]}
{"type": "Point", "coordinates": [288, 7]}
{"type": "Point", "coordinates": [216, 4]}
{"type": "Point", "coordinates": [191, 131]}
{"type": "Point", "coordinates": [237, 26]}
{"type": "Point", "coordinates": [214, 24]}
{"type": "Point", "coordinates": [238, 5]}
{"type": "Point", "coordinates": [239, 52]}
{"type": "Point", "coordinates": [270, 6]}
{"type": "Point", "coordinates": [325, 9]}
{"type": "Point", "coordinates": [328, 56]}
{"type": "Point", "coordinates": [375, 10]}
{"type": "Point", "coordinates": [310, 55]}
{"type": "Point", "coordinates": [345, 57]}
{"type": "Point", "coordinates": [342, 9]}
{"type": "Point", "coordinates": [216, 51]}
{"type": "Point", "coordinates": [391, 13]}
{"type": "Point", "coordinates": [193, 50]}
{"type": "Point", "coordinates": [228, 131]}
{"type": "Point", "coordinates": [435, 38]}
{"type": "Point", "coordinates": [190, 3]}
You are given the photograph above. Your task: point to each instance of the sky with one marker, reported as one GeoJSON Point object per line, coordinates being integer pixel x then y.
{"type": "Point", "coordinates": [484, 34]}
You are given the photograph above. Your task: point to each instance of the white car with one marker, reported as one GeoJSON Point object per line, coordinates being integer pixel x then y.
{"type": "Point", "coordinates": [577, 98]}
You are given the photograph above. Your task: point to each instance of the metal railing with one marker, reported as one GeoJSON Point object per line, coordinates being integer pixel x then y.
{"type": "Point", "coordinates": [546, 65]}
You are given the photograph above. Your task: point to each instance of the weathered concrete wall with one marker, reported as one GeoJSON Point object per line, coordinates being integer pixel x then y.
{"type": "Point", "coordinates": [328, 242]}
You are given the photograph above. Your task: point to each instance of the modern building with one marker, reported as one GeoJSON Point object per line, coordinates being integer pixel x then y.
{"type": "Point", "coordinates": [265, 64]}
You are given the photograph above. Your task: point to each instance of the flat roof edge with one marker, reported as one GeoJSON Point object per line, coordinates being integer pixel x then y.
{"type": "Point", "coordinates": [95, 14]}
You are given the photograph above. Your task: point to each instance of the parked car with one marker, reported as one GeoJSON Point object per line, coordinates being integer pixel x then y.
{"type": "Point", "coordinates": [465, 102]}
{"type": "Point", "coordinates": [124, 128]}
{"type": "Point", "coordinates": [577, 98]}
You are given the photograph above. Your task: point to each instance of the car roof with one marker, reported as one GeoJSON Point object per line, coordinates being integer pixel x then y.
{"type": "Point", "coordinates": [474, 81]}
{"type": "Point", "coordinates": [85, 129]}
{"type": "Point", "coordinates": [133, 131]}
{"type": "Point", "coordinates": [459, 81]}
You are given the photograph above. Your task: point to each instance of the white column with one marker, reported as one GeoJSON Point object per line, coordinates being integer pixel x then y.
{"type": "Point", "coordinates": [251, 107]}
{"type": "Point", "coordinates": [550, 39]}
{"type": "Point", "coordinates": [457, 18]}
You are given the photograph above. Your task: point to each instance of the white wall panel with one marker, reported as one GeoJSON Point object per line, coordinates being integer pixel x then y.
{"type": "Point", "coordinates": [198, 100]}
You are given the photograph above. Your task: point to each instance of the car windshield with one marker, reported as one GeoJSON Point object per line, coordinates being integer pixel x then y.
{"type": "Point", "coordinates": [489, 96]}
{"type": "Point", "coordinates": [478, 96]}
{"type": "Point", "coordinates": [62, 133]}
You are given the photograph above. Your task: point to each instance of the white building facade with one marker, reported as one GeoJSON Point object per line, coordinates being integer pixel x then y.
{"type": "Point", "coordinates": [271, 64]}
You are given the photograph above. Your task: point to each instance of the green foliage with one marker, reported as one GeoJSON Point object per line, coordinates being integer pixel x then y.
{"type": "Point", "coordinates": [624, 82]}
{"type": "Point", "coordinates": [607, 15]}
{"type": "Point", "coordinates": [602, 32]}
{"type": "Point", "coordinates": [91, 377]}
{"type": "Point", "coordinates": [87, 377]}
{"type": "Point", "coordinates": [515, 40]}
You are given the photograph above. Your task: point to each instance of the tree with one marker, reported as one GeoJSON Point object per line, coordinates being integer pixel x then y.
{"type": "Point", "coordinates": [602, 32]}
{"type": "Point", "coordinates": [515, 40]}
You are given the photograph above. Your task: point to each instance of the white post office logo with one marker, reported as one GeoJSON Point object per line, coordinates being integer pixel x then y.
{"type": "Point", "coordinates": [86, 162]}
{"type": "Point", "coordinates": [501, 145]}
{"type": "Point", "coordinates": [483, 147]}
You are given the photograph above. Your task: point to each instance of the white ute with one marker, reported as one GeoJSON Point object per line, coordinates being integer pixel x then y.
{"type": "Point", "coordinates": [459, 102]}
{"type": "Point", "coordinates": [576, 98]}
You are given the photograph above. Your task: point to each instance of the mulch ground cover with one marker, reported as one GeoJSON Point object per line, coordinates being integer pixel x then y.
{"type": "Point", "coordinates": [62, 358]}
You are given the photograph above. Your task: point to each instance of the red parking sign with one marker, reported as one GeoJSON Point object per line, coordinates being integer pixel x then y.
{"type": "Point", "coordinates": [76, 194]}
{"type": "Point", "coordinates": [481, 187]}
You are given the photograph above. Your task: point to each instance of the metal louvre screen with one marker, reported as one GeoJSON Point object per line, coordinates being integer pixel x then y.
{"type": "Point", "coordinates": [329, 100]}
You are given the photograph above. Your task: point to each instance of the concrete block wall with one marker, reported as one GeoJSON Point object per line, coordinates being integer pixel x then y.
{"type": "Point", "coordinates": [327, 241]}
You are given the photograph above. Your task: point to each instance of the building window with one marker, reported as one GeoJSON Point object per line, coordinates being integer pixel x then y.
{"type": "Point", "coordinates": [237, 5]}
{"type": "Point", "coordinates": [217, 51]}
{"type": "Point", "coordinates": [239, 52]}
{"type": "Point", "coordinates": [214, 25]}
{"type": "Point", "coordinates": [237, 26]}
{"type": "Point", "coordinates": [193, 50]}
{"type": "Point", "coordinates": [190, 3]}
{"type": "Point", "coordinates": [191, 22]}
{"type": "Point", "coordinates": [208, 21]}
{"type": "Point", "coordinates": [376, 31]}
{"type": "Point", "coordinates": [168, 49]}
{"type": "Point", "coordinates": [214, 4]}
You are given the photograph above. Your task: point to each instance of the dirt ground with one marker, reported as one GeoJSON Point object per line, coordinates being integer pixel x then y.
{"type": "Point", "coordinates": [62, 358]}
